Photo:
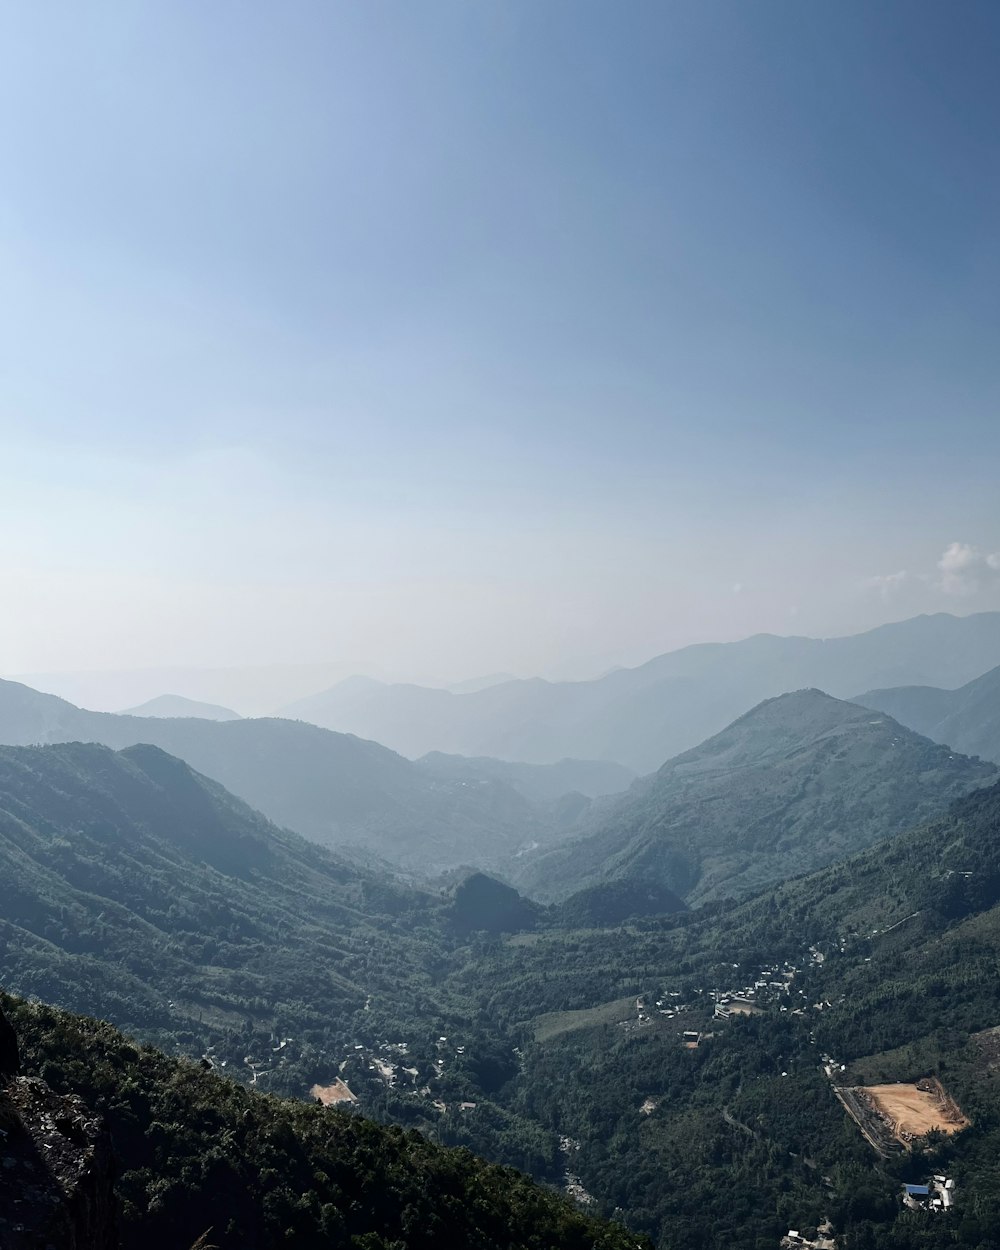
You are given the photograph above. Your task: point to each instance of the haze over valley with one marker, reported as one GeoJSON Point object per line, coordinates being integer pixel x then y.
{"type": "Point", "coordinates": [500, 649]}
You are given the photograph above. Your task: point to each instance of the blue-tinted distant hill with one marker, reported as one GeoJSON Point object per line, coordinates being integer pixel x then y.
{"type": "Point", "coordinates": [174, 705]}
{"type": "Point", "coordinates": [542, 783]}
{"type": "Point", "coordinates": [334, 788]}
{"type": "Point", "coordinates": [967, 719]}
{"type": "Point", "coordinates": [641, 716]}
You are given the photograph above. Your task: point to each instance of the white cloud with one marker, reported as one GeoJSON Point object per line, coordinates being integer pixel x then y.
{"type": "Point", "coordinates": [965, 569]}
{"type": "Point", "coordinates": [961, 571]}
{"type": "Point", "coordinates": [888, 583]}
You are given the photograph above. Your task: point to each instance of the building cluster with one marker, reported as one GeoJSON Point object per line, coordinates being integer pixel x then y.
{"type": "Point", "coordinates": [769, 986]}
{"type": "Point", "coordinates": [938, 1194]}
{"type": "Point", "coordinates": [823, 1239]}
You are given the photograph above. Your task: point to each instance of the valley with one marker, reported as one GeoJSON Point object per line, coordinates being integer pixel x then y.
{"type": "Point", "coordinates": [500, 649]}
{"type": "Point", "coordinates": [659, 1038]}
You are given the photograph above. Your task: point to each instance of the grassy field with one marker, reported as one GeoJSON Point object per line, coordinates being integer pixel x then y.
{"type": "Point", "coordinates": [553, 1023]}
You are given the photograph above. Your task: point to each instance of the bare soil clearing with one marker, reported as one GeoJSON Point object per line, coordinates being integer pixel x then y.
{"type": "Point", "coordinates": [329, 1095]}
{"type": "Point", "coordinates": [914, 1110]}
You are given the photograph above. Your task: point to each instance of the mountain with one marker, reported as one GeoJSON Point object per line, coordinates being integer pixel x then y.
{"type": "Point", "coordinates": [799, 781]}
{"type": "Point", "coordinates": [201, 1160]}
{"type": "Point", "coordinates": [334, 788]}
{"type": "Point", "coordinates": [638, 717]}
{"type": "Point", "coordinates": [539, 783]}
{"type": "Point", "coordinates": [133, 888]}
{"type": "Point", "coordinates": [254, 690]}
{"type": "Point", "coordinates": [967, 719]}
{"type": "Point", "coordinates": [614, 902]}
{"type": "Point", "coordinates": [175, 705]}
{"type": "Point", "coordinates": [482, 904]}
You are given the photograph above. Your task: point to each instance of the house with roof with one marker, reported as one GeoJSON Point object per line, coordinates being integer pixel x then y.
{"type": "Point", "coordinates": [938, 1194]}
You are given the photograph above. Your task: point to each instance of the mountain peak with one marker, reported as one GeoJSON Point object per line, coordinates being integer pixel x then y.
{"type": "Point", "coordinates": [169, 706]}
{"type": "Point", "coordinates": [795, 782]}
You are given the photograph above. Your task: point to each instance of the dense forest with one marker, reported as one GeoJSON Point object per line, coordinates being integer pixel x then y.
{"type": "Point", "coordinates": [202, 1155]}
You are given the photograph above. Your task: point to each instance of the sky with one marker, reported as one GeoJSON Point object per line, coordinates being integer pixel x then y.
{"type": "Point", "coordinates": [443, 339]}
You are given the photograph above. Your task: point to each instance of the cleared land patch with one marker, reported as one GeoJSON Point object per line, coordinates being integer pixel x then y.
{"type": "Point", "coordinates": [915, 1110]}
{"type": "Point", "coordinates": [331, 1094]}
{"type": "Point", "coordinates": [555, 1022]}
{"type": "Point", "coordinates": [894, 1116]}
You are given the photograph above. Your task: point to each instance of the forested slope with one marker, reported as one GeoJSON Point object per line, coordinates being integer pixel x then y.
{"type": "Point", "coordinates": [201, 1154]}
{"type": "Point", "coordinates": [795, 783]}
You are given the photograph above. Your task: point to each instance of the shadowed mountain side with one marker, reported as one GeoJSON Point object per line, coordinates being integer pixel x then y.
{"type": "Point", "coordinates": [967, 719]}
{"type": "Point", "coordinates": [641, 716]}
{"type": "Point", "coordinates": [334, 788]}
{"type": "Point", "coordinates": [613, 902]}
{"type": "Point", "coordinates": [480, 903]}
{"type": "Point", "coordinates": [797, 782]}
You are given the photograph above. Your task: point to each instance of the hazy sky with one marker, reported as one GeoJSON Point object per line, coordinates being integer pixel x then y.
{"type": "Point", "coordinates": [446, 338]}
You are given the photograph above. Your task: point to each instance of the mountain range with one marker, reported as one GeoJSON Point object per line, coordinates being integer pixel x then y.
{"type": "Point", "coordinates": [641, 716]}
{"type": "Point", "coordinates": [135, 888]}
{"type": "Point", "coordinates": [334, 788]}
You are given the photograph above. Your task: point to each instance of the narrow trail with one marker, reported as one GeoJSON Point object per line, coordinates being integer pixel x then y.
{"type": "Point", "coordinates": [731, 1120]}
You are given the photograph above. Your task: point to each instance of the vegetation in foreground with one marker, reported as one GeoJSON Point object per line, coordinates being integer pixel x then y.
{"type": "Point", "coordinates": [198, 1152]}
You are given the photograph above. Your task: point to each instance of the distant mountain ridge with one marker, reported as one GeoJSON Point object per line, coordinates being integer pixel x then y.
{"type": "Point", "coordinates": [176, 705]}
{"type": "Point", "coordinates": [336, 789]}
{"type": "Point", "coordinates": [638, 717]}
{"type": "Point", "coordinates": [967, 719]}
{"type": "Point", "coordinates": [541, 783]}
{"type": "Point", "coordinates": [795, 783]}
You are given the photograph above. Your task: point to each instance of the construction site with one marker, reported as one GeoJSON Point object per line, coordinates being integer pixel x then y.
{"type": "Point", "coordinates": [892, 1117]}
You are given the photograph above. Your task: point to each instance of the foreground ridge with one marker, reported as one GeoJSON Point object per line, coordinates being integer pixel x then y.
{"type": "Point", "coordinates": [198, 1151]}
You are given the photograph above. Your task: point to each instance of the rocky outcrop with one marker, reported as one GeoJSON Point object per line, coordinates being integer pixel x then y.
{"type": "Point", "coordinates": [56, 1169]}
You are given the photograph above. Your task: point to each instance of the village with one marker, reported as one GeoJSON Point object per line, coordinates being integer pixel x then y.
{"type": "Point", "coordinates": [890, 1118]}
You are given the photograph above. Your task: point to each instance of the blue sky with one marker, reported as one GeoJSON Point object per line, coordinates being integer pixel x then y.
{"type": "Point", "coordinates": [448, 338]}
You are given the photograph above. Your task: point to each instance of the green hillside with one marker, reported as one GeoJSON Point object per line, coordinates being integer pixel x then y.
{"type": "Point", "coordinates": [795, 783]}
{"type": "Point", "coordinates": [134, 889]}
{"type": "Point", "coordinates": [886, 961]}
{"type": "Point", "coordinates": [200, 1154]}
